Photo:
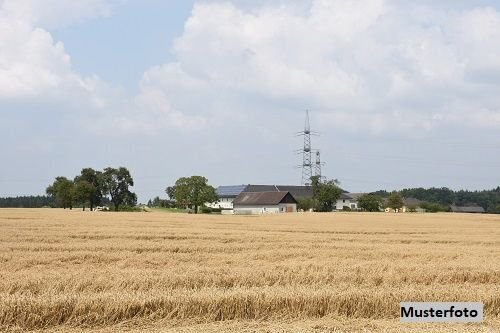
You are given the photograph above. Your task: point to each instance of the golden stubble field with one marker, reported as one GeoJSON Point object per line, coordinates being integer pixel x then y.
{"type": "Point", "coordinates": [72, 271]}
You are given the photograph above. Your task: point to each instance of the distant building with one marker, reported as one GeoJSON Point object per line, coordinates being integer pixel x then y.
{"type": "Point", "coordinates": [412, 205]}
{"type": "Point", "coordinates": [349, 200]}
{"type": "Point", "coordinates": [297, 191]}
{"type": "Point", "coordinates": [467, 209]}
{"type": "Point", "coordinates": [247, 203]}
{"type": "Point", "coordinates": [409, 205]}
{"type": "Point", "coordinates": [227, 194]}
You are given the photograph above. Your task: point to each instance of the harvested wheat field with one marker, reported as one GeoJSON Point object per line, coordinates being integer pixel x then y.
{"type": "Point", "coordinates": [73, 271]}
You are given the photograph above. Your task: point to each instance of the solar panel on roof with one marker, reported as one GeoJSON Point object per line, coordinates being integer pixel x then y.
{"type": "Point", "coordinates": [231, 190]}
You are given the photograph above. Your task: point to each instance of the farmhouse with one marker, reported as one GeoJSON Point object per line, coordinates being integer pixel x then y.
{"type": "Point", "coordinates": [226, 195]}
{"type": "Point", "coordinates": [349, 200]}
{"type": "Point", "coordinates": [264, 203]}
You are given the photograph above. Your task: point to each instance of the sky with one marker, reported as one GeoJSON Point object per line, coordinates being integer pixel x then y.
{"type": "Point", "coordinates": [403, 93]}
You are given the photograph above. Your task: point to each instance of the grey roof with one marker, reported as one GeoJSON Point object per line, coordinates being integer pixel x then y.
{"type": "Point", "coordinates": [351, 196]}
{"type": "Point", "coordinates": [260, 188]}
{"type": "Point", "coordinates": [230, 191]}
{"type": "Point", "coordinates": [467, 209]}
{"type": "Point", "coordinates": [263, 198]}
{"type": "Point", "coordinates": [297, 191]}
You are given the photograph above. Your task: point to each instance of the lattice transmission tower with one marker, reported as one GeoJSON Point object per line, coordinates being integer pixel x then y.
{"type": "Point", "coordinates": [309, 168]}
{"type": "Point", "coordinates": [317, 165]}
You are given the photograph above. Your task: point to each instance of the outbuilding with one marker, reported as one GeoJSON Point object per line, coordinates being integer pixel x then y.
{"type": "Point", "coordinates": [247, 203]}
{"type": "Point", "coordinates": [467, 209]}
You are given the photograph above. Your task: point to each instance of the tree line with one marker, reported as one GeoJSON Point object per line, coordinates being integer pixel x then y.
{"type": "Point", "coordinates": [27, 201]}
{"type": "Point", "coordinates": [440, 199]}
{"type": "Point", "coordinates": [112, 186]}
{"type": "Point", "coordinates": [92, 188]}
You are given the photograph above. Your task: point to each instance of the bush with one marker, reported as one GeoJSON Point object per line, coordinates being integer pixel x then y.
{"type": "Point", "coordinates": [206, 210]}
{"type": "Point", "coordinates": [496, 210]}
{"type": "Point", "coordinates": [305, 204]}
{"type": "Point", "coordinates": [411, 208]}
{"type": "Point", "coordinates": [346, 209]}
{"type": "Point", "coordinates": [432, 207]}
{"type": "Point", "coordinates": [125, 209]}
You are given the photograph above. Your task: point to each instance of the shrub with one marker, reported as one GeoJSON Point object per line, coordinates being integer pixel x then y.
{"type": "Point", "coordinates": [432, 207]}
{"type": "Point", "coordinates": [206, 210]}
{"type": "Point", "coordinates": [305, 204]}
{"type": "Point", "coordinates": [411, 208]}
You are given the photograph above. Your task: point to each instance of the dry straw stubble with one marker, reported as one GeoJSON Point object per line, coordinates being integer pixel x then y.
{"type": "Point", "coordinates": [95, 270]}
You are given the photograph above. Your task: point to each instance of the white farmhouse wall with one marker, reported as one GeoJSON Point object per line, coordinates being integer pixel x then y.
{"type": "Point", "coordinates": [352, 204]}
{"type": "Point", "coordinates": [288, 208]}
{"type": "Point", "coordinates": [255, 210]}
{"type": "Point", "coordinates": [261, 209]}
{"type": "Point", "coordinates": [224, 203]}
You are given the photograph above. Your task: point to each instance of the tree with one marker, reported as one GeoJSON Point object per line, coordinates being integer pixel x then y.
{"type": "Point", "coordinates": [91, 189]}
{"type": "Point", "coordinates": [192, 191]}
{"type": "Point", "coordinates": [82, 192]}
{"type": "Point", "coordinates": [325, 193]}
{"type": "Point", "coordinates": [305, 204]}
{"type": "Point", "coordinates": [115, 183]}
{"type": "Point", "coordinates": [370, 202]}
{"type": "Point", "coordinates": [395, 201]}
{"type": "Point", "coordinates": [62, 190]}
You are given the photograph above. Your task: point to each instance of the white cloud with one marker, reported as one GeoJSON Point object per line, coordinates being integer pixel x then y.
{"type": "Point", "coordinates": [379, 65]}
{"type": "Point", "coordinates": [35, 66]}
{"type": "Point", "coordinates": [54, 13]}
{"type": "Point", "coordinates": [393, 69]}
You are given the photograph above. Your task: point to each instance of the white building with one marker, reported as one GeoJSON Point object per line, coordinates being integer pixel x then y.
{"type": "Point", "coordinates": [349, 200]}
{"type": "Point", "coordinates": [226, 196]}
{"type": "Point", "coordinates": [247, 203]}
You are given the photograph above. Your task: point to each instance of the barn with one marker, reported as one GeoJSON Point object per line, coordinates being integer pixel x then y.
{"type": "Point", "coordinates": [247, 203]}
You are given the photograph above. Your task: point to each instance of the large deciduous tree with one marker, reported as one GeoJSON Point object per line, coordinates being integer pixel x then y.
{"type": "Point", "coordinates": [89, 187]}
{"type": "Point", "coordinates": [325, 193]}
{"type": "Point", "coordinates": [395, 201]}
{"type": "Point", "coordinates": [82, 190]}
{"type": "Point", "coordinates": [192, 191]}
{"type": "Point", "coordinates": [116, 182]}
{"type": "Point", "coordinates": [370, 202]}
{"type": "Point", "coordinates": [63, 191]}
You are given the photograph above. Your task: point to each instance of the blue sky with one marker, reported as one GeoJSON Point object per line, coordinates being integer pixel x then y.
{"type": "Point", "coordinates": [404, 94]}
{"type": "Point", "coordinates": [138, 35]}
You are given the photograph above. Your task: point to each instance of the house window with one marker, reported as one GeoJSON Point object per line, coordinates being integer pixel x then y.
{"type": "Point", "coordinates": [343, 200]}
